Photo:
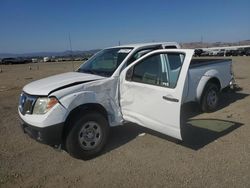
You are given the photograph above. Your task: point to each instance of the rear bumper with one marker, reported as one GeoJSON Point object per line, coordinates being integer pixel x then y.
{"type": "Point", "coordinates": [51, 135]}
{"type": "Point", "coordinates": [232, 83]}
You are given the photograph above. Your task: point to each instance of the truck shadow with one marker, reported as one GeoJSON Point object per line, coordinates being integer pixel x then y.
{"type": "Point", "coordinates": [196, 133]}
{"type": "Point", "coordinates": [192, 109]}
{"type": "Point", "coordinates": [229, 97]}
{"type": "Point", "coordinates": [121, 135]}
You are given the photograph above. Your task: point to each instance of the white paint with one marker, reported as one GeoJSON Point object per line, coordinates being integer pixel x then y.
{"type": "Point", "coordinates": [46, 85]}
{"type": "Point", "coordinates": [144, 104]}
{"type": "Point", "coordinates": [123, 100]}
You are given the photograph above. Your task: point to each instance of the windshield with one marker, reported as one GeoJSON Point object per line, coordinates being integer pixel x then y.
{"type": "Point", "coordinates": [105, 62]}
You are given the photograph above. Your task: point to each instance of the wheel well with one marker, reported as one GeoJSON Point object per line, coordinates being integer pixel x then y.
{"type": "Point", "coordinates": [215, 81]}
{"type": "Point", "coordinates": [90, 107]}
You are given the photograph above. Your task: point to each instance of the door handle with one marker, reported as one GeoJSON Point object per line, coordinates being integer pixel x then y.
{"type": "Point", "coordinates": [170, 99]}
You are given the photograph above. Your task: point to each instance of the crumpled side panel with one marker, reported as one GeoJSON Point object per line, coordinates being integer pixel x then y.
{"type": "Point", "coordinates": [104, 92]}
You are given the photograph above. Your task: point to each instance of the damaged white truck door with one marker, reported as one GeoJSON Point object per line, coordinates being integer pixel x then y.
{"type": "Point", "coordinates": [151, 90]}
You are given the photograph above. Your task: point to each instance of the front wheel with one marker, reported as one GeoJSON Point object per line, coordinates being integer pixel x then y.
{"type": "Point", "coordinates": [210, 98]}
{"type": "Point", "coordinates": [88, 136]}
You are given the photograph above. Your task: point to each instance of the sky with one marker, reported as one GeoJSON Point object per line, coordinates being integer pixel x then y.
{"type": "Point", "coordinates": [45, 25]}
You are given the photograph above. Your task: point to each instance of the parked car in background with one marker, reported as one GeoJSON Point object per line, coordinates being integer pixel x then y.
{"type": "Point", "coordinates": [235, 53]}
{"type": "Point", "coordinates": [221, 52]}
{"type": "Point", "coordinates": [229, 53]}
{"type": "Point", "coordinates": [198, 52]}
{"type": "Point", "coordinates": [7, 61]}
{"type": "Point", "coordinates": [205, 53]}
{"type": "Point", "coordinates": [241, 52]}
{"type": "Point", "coordinates": [214, 52]}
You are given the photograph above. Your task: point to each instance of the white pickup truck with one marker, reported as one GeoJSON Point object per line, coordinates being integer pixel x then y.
{"type": "Point", "coordinates": [143, 83]}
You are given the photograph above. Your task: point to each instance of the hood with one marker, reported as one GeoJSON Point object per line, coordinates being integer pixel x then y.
{"type": "Point", "coordinates": [50, 84]}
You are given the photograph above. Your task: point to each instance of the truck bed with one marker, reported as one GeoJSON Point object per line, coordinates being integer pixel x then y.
{"type": "Point", "coordinates": [197, 62]}
{"type": "Point", "coordinates": [201, 69]}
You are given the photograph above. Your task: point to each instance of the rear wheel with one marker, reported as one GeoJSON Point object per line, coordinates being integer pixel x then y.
{"type": "Point", "coordinates": [88, 136]}
{"type": "Point", "coordinates": [210, 98]}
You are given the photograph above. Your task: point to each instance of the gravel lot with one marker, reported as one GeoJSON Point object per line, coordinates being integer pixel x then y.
{"type": "Point", "coordinates": [216, 152]}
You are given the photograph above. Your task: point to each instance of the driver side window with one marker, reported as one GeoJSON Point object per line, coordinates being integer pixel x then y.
{"type": "Point", "coordinates": [150, 71]}
{"type": "Point", "coordinates": [159, 69]}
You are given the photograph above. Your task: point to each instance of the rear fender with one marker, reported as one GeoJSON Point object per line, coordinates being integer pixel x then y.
{"type": "Point", "coordinates": [204, 80]}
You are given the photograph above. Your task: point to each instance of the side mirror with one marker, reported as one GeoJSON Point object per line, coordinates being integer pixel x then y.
{"type": "Point", "coordinates": [129, 74]}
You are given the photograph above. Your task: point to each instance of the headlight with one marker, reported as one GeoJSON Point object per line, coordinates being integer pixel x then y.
{"type": "Point", "coordinates": [43, 104]}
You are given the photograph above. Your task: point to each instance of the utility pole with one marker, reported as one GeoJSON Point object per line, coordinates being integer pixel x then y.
{"type": "Point", "coordinates": [71, 55]}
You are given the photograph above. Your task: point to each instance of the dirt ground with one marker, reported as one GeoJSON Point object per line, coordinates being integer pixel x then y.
{"type": "Point", "coordinates": [216, 152]}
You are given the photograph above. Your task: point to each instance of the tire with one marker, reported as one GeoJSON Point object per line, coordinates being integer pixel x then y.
{"type": "Point", "coordinates": [88, 136]}
{"type": "Point", "coordinates": [210, 98]}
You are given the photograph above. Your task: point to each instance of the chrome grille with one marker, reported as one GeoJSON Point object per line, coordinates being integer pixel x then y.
{"type": "Point", "coordinates": [26, 103]}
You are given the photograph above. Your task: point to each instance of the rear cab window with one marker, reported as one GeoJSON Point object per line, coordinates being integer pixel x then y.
{"type": "Point", "coordinates": [144, 51]}
{"type": "Point", "coordinates": [141, 53]}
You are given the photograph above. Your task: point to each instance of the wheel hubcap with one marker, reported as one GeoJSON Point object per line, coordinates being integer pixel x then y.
{"type": "Point", "coordinates": [212, 98]}
{"type": "Point", "coordinates": [90, 135]}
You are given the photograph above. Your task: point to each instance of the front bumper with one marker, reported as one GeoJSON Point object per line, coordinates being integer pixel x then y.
{"type": "Point", "coordinates": [51, 135]}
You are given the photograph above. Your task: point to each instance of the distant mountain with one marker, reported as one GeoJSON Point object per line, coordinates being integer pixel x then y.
{"type": "Point", "coordinates": [49, 54]}
{"type": "Point", "coordinates": [82, 53]}
{"type": "Point", "coordinates": [214, 44]}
